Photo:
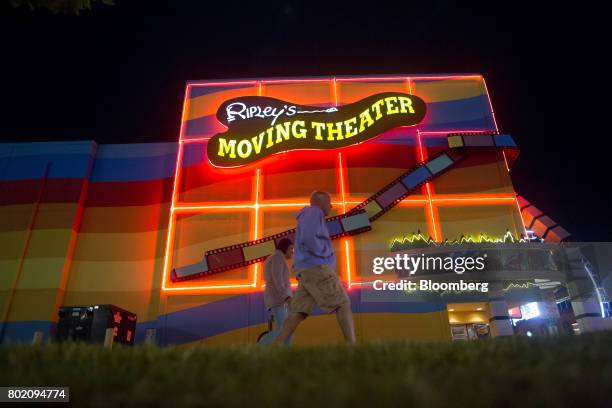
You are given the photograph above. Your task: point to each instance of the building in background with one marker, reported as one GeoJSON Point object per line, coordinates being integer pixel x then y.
{"type": "Point", "coordinates": [85, 224]}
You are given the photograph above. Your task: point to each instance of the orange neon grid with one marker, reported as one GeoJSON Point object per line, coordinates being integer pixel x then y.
{"type": "Point", "coordinates": [257, 206]}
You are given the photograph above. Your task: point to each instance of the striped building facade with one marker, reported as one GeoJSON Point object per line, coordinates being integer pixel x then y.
{"type": "Point", "coordinates": [84, 224]}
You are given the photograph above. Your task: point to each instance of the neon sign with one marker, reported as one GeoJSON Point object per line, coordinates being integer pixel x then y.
{"type": "Point", "coordinates": [261, 126]}
{"type": "Point", "coordinates": [399, 243]}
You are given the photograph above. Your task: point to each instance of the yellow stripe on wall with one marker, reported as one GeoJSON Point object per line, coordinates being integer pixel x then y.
{"type": "Point", "coordinates": [12, 244]}
{"type": "Point", "coordinates": [484, 178]}
{"type": "Point", "coordinates": [369, 180]}
{"type": "Point", "coordinates": [33, 304]}
{"type": "Point", "coordinates": [15, 217]}
{"type": "Point", "coordinates": [323, 329]}
{"type": "Point", "coordinates": [126, 247]}
{"type": "Point", "coordinates": [492, 220]}
{"type": "Point", "coordinates": [403, 326]}
{"type": "Point", "coordinates": [49, 243]}
{"type": "Point", "coordinates": [8, 268]}
{"type": "Point", "coordinates": [41, 273]}
{"type": "Point", "coordinates": [128, 219]}
{"type": "Point", "coordinates": [115, 276]}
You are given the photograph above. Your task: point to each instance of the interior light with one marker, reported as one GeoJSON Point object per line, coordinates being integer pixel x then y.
{"type": "Point", "coordinates": [530, 310]}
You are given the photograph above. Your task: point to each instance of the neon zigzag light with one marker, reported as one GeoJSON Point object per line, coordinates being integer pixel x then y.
{"type": "Point", "coordinates": [419, 238]}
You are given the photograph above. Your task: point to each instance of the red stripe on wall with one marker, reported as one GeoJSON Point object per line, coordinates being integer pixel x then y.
{"type": "Point", "coordinates": [119, 194]}
{"type": "Point", "coordinates": [26, 191]}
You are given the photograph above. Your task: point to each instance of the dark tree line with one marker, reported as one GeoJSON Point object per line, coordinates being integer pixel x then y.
{"type": "Point", "coordinates": [60, 6]}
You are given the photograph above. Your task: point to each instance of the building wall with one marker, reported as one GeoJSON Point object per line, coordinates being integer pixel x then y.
{"type": "Point", "coordinates": [43, 190]}
{"type": "Point", "coordinates": [100, 216]}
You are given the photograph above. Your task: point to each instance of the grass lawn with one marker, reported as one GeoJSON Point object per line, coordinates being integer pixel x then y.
{"type": "Point", "coordinates": [573, 371]}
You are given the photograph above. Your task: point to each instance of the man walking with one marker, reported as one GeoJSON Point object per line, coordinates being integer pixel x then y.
{"type": "Point", "coordinates": [314, 264]}
{"type": "Point", "coordinates": [278, 287]}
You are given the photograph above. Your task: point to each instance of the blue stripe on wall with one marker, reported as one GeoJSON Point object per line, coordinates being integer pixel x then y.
{"type": "Point", "coordinates": [204, 126]}
{"type": "Point", "coordinates": [130, 162]}
{"type": "Point", "coordinates": [435, 141]}
{"type": "Point", "coordinates": [482, 124]}
{"type": "Point", "coordinates": [194, 153]}
{"type": "Point", "coordinates": [23, 331]}
{"type": "Point", "coordinates": [33, 167]}
{"type": "Point", "coordinates": [206, 320]}
{"type": "Point", "coordinates": [134, 168]}
{"type": "Point", "coordinates": [133, 150]}
{"type": "Point", "coordinates": [475, 109]}
{"type": "Point", "coordinates": [46, 148]}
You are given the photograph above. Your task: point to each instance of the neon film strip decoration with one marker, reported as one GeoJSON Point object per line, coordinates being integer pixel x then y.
{"type": "Point", "coordinates": [542, 225]}
{"type": "Point", "coordinates": [247, 253]}
{"type": "Point", "coordinates": [400, 188]}
{"type": "Point", "coordinates": [486, 140]}
{"type": "Point", "coordinates": [407, 183]}
{"type": "Point", "coordinates": [356, 220]}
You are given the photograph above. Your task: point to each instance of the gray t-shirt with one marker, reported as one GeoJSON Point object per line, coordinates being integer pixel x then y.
{"type": "Point", "coordinates": [276, 275]}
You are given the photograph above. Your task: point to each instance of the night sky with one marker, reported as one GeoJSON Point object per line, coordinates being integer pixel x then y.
{"type": "Point", "coordinates": [117, 74]}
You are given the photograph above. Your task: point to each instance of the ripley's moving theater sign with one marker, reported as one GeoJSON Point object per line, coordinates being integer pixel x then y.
{"type": "Point", "coordinates": [261, 126]}
{"type": "Point", "coordinates": [398, 154]}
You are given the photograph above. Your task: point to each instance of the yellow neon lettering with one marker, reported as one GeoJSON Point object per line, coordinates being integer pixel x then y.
{"type": "Point", "coordinates": [391, 109]}
{"type": "Point", "coordinates": [227, 148]}
{"type": "Point", "coordinates": [366, 120]}
{"type": "Point", "coordinates": [283, 132]}
{"type": "Point", "coordinates": [302, 132]}
{"type": "Point", "coordinates": [244, 154]}
{"type": "Point", "coordinates": [257, 142]}
{"type": "Point", "coordinates": [350, 127]}
{"type": "Point", "coordinates": [376, 107]}
{"type": "Point", "coordinates": [318, 126]}
{"type": "Point", "coordinates": [331, 131]}
{"type": "Point", "coordinates": [269, 133]}
{"type": "Point", "coordinates": [405, 104]}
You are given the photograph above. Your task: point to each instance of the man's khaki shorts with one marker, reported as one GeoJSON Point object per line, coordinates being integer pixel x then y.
{"type": "Point", "coordinates": [319, 285]}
